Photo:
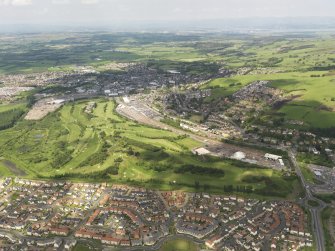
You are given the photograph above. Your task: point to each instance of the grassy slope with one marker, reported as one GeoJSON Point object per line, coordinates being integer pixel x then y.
{"type": "Point", "coordinates": [9, 106]}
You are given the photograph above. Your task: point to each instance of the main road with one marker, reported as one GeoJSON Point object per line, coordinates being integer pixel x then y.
{"type": "Point", "coordinates": [315, 211]}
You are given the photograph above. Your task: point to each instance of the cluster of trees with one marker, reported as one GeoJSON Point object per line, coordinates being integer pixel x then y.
{"type": "Point", "coordinates": [197, 186]}
{"type": "Point", "coordinates": [239, 189]}
{"type": "Point", "coordinates": [142, 145]}
{"type": "Point", "coordinates": [62, 156]}
{"type": "Point", "coordinates": [38, 159]}
{"type": "Point", "coordinates": [113, 170]}
{"type": "Point", "coordinates": [185, 67]}
{"type": "Point", "coordinates": [325, 132]}
{"type": "Point", "coordinates": [72, 108]}
{"type": "Point", "coordinates": [158, 155]}
{"type": "Point", "coordinates": [199, 170]}
{"type": "Point", "coordinates": [328, 198]}
{"type": "Point", "coordinates": [323, 68]}
{"type": "Point", "coordinates": [131, 152]}
{"type": "Point", "coordinates": [98, 157]}
{"type": "Point", "coordinates": [31, 100]}
{"type": "Point", "coordinates": [105, 108]}
{"type": "Point", "coordinates": [273, 188]}
{"type": "Point", "coordinates": [60, 159]}
{"type": "Point", "coordinates": [99, 175]}
{"type": "Point", "coordinates": [170, 138]}
{"type": "Point", "coordinates": [8, 118]}
{"type": "Point", "coordinates": [242, 164]}
{"type": "Point", "coordinates": [254, 178]}
{"type": "Point", "coordinates": [171, 122]}
{"type": "Point", "coordinates": [159, 168]}
{"type": "Point", "coordinates": [273, 61]}
{"type": "Point", "coordinates": [322, 159]}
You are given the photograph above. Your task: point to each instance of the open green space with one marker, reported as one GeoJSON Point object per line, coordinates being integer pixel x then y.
{"type": "Point", "coordinates": [313, 203]}
{"type": "Point", "coordinates": [179, 245]}
{"type": "Point", "coordinates": [309, 176]}
{"type": "Point", "coordinates": [102, 146]}
{"type": "Point", "coordinates": [4, 171]}
{"type": "Point", "coordinates": [92, 245]}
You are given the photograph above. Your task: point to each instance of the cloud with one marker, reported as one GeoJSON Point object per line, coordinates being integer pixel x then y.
{"type": "Point", "coordinates": [89, 2]}
{"type": "Point", "coordinates": [21, 2]}
{"type": "Point", "coordinates": [15, 2]}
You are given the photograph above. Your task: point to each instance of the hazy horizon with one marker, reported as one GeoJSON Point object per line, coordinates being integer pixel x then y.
{"type": "Point", "coordinates": [107, 12]}
{"type": "Point", "coordinates": [159, 15]}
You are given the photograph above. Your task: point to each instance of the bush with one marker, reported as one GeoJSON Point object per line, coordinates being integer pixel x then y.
{"type": "Point", "coordinates": [254, 179]}
{"type": "Point", "coordinates": [98, 157]}
{"type": "Point", "coordinates": [61, 158]}
{"type": "Point", "coordinates": [8, 118]}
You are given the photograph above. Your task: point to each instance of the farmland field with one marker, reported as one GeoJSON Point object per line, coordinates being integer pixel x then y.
{"type": "Point", "coordinates": [192, 53]}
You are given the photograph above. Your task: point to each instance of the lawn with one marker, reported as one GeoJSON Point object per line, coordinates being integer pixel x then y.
{"type": "Point", "coordinates": [179, 245]}
{"type": "Point", "coordinates": [4, 171]}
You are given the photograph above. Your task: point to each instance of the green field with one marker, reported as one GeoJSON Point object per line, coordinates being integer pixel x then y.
{"type": "Point", "coordinates": [102, 146]}
{"type": "Point", "coordinates": [313, 98]}
{"type": "Point", "coordinates": [179, 245]}
{"type": "Point", "coordinates": [4, 171]}
{"type": "Point", "coordinates": [307, 173]}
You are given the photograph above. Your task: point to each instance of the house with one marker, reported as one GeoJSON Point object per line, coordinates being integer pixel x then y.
{"type": "Point", "coordinates": [214, 240]}
{"type": "Point", "coordinates": [270, 156]}
{"type": "Point", "coordinates": [201, 151]}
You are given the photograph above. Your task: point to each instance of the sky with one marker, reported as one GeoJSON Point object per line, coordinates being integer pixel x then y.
{"type": "Point", "coordinates": [102, 12]}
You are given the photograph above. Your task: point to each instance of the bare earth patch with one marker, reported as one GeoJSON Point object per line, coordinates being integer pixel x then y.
{"type": "Point", "coordinates": [44, 107]}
